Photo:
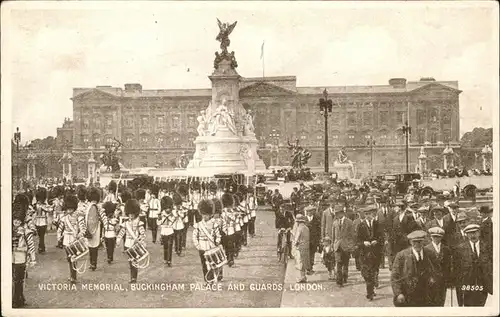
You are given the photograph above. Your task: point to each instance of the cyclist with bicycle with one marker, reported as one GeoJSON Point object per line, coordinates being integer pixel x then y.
{"type": "Point", "coordinates": [284, 220]}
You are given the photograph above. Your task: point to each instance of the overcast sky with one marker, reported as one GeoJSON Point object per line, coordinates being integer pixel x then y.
{"type": "Point", "coordinates": [55, 48]}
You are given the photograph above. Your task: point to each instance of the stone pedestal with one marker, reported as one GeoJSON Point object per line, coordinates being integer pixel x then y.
{"type": "Point", "coordinates": [219, 149]}
{"type": "Point", "coordinates": [345, 170]}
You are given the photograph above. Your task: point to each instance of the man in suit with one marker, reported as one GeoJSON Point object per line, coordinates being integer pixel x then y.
{"type": "Point", "coordinates": [295, 200]}
{"type": "Point", "coordinates": [327, 220]}
{"type": "Point", "coordinates": [276, 200]}
{"type": "Point", "coordinates": [411, 275]}
{"type": "Point", "coordinates": [384, 217]}
{"type": "Point", "coordinates": [487, 229]}
{"type": "Point", "coordinates": [314, 225]}
{"type": "Point", "coordinates": [369, 240]}
{"type": "Point", "coordinates": [356, 223]}
{"type": "Point", "coordinates": [449, 221]}
{"type": "Point", "coordinates": [284, 220]}
{"type": "Point", "coordinates": [441, 266]}
{"type": "Point", "coordinates": [343, 243]}
{"type": "Point", "coordinates": [437, 213]}
{"type": "Point", "coordinates": [455, 241]}
{"type": "Point", "coordinates": [301, 245]}
{"type": "Point", "coordinates": [402, 225]}
{"type": "Point", "coordinates": [474, 269]}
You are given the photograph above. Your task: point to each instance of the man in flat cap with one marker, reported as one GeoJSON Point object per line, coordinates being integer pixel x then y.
{"type": "Point", "coordinates": [474, 269]}
{"type": "Point", "coordinates": [343, 243]}
{"type": "Point", "coordinates": [327, 219]}
{"type": "Point", "coordinates": [314, 225]}
{"type": "Point", "coordinates": [411, 275]}
{"type": "Point", "coordinates": [441, 264]}
{"type": "Point", "coordinates": [454, 242]}
{"type": "Point", "coordinates": [487, 228]}
{"type": "Point", "coordinates": [369, 240]}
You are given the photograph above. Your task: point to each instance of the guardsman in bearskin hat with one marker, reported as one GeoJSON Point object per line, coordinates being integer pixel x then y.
{"type": "Point", "coordinates": [195, 198]}
{"type": "Point", "coordinates": [154, 211]}
{"type": "Point", "coordinates": [111, 229]}
{"type": "Point", "coordinates": [82, 200]}
{"type": "Point", "coordinates": [95, 220]}
{"type": "Point", "coordinates": [441, 265]}
{"type": "Point", "coordinates": [71, 227]}
{"type": "Point", "coordinates": [252, 207]}
{"type": "Point", "coordinates": [183, 190]}
{"type": "Point", "coordinates": [24, 200]}
{"type": "Point", "coordinates": [179, 213]}
{"type": "Point", "coordinates": [111, 197]}
{"type": "Point", "coordinates": [229, 218]}
{"type": "Point", "coordinates": [239, 224]}
{"type": "Point", "coordinates": [41, 213]}
{"type": "Point", "coordinates": [206, 236]}
{"type": "Point", "coordinates": [23, 252]}
{"type": "Point", "coordinates": [412, 276]}
{"type": "Point", "coordinates": [140, 195]}
{"type": "Point", "coordinates": [242, 208]}
{"type": "Point", "coordinates": [220, 226]}
{"type": "Point", "coordinates": [212, 189]}
{"type": "Point", "coordinates": [133, 230]}
{"type": "Point", "coordinates": [166, 221]}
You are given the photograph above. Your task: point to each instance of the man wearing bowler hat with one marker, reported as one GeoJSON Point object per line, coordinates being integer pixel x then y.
{"type": "Point", "coordinates": [411, 275]}
{"type": "Point", "coordinates": [450, 218]}
{"type": "Point", "coordinates": [402, 225]}
{"type": "Point", "coordinates": [474, 269]}
{"type": "Point", "coordinates": [441, 262]}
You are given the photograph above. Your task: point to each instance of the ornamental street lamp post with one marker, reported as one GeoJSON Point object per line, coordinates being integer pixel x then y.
{"type": "Point", "coordinates": [275, 136]}
{"type": "Point", "coordinates": [407, 132]}
{"type": "Point", "coordinates": [371, 142]}
{"type": "Point", "coordinates": [17, 139]}
{"type": "Point", "coordinates": [325, 107]}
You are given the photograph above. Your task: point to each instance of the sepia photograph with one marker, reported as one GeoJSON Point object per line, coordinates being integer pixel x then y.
{"type": "Point", "coordinates": [308, 157]}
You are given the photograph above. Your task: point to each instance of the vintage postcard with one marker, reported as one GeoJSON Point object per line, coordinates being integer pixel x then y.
{"type": "Point", "coordinates": [250, 158]}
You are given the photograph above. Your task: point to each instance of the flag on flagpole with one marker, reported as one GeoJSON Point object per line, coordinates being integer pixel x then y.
{"type": "Point", "coordinates": [262, 50]}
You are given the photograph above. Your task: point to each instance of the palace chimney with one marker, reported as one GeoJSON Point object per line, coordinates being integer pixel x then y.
{"type": "Point", "coordinates": [397, 82]}
{"type": "Point", "coordinates": [133, 88]}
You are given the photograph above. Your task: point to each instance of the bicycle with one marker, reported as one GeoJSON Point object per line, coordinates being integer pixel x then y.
{"type": "Point", "coordinates": [283, 248]}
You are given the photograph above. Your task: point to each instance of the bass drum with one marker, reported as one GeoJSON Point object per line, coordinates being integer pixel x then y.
{"type": "Point", "coordinates": [93, 222]}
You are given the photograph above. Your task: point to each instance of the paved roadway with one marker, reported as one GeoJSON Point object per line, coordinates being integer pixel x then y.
{"type": "Point", "coordinates": [256, 264]}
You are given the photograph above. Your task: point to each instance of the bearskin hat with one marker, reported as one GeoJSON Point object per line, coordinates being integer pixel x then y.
{"type": "Point", "coordinates": [212, 187]}
{"type": "Point", "coordinates": [18, 211]}
{"type": "Point", "coordinates": [166, 203]}
{"type": "Point", "coordinates": [93, 194]}
{"type": "Point", "coordinates": [82, 193]}
{"type": "Point", "coordinates": [241, 196]}
{"type": "Point", "coordinates": [41, 195]}
{"type": "Point", "coordinates": [126, 195]}
{"type": "Point", "coordinates": [70, 202]}
{"type": "Point", "coordinates": [236, 200]}
{"type": "Point", "coordinates": [112, 186]}
{"type": "Point", "coordinates": [163, 185]}
{"type": "Point", "coordinates": [177, 199]}
{"type": "Point", "coordinates": [217, 205]}
{"type": "Point", "coordinates": [109, 208]}
{"type": "Point", "coordinates": [155, 189]}
{"type": "Point", "coordinates": [204, 186]}
{"type": "Point", "coordinates": [140, 194]}
{"type": "Point", "coordinates": [195, 185]}
{"type": "Point", "coordinates": [243, 189]}
{"type": "Point", "coordinates": [221, 183]}
{"type": "Point", "coordinates": [23, 200]}
{"type": "Point", "coordinates": [227, 200]}
{"type": "Point", "coordinates": [183, 189]}
{"type": "Point", "coordinates": [206, 207]}
{"type": "Point", "coordinates": [132, 207]}
{"type": "Point", "coordinates": [251, 190]}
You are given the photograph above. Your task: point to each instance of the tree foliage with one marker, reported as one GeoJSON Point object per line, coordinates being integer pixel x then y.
{"type": "Point", "coordinates": [477, 138]}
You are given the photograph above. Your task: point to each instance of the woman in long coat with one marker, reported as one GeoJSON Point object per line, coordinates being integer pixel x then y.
{"type": "Point", "coordinates": [301, 247]}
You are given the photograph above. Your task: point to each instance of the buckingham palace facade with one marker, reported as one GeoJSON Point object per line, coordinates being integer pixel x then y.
{"type": "Point", "coordinates": [157, 126]}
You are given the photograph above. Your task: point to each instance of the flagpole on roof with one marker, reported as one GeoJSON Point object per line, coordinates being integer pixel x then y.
{"type": "Point", "coordinates": [262, 58]}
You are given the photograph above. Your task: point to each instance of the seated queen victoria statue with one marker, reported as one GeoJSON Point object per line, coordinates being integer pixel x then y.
{"type": "Point", "coordinates": [221, 118]}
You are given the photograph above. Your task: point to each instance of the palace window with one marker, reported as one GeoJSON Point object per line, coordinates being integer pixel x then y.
{"type": "Point", "coordinates": [367, 118]}
{"type": "Point", "coordinates": [85, 124]}
{"type": "Point", "coordinates": [351, 118]}
{"type": "Point", "coordinates": [144, 122]}
{"type": "Point", "coordinates": [433, 138]}
{"type": "Point", "coordinates": [129, 140]}
{"type": "Point", "coordinates": [303, 137]}
{"type": "Point", "coordinates": [129, 122]}
{"type": "Point", "coordinates": [384, 117]}
{"type": "Point", "coordinates": [97, 123]}
{"type": "Point", "coordinates": [159, 140]}
{"type": "Point", "coordinates": [400, 117]}
{"type": "Point", "coordinates": [191, 120]}
{"type": "Point", "coordinates": [420, 116]}
{"type": "Point", "coordinates": [421, 136]}
{"type": "Point", "coordinates": [109, 140]}
{"type": "Point", "coordinates": [144, 139]}
{"type": "Point", "coordinates": [176, 122]}
{"type": "Point", "coordinates": [161, 121]}
{"type": "Point", "coordinates": [109, 122]}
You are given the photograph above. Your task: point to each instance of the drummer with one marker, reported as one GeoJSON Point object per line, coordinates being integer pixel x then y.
{"type": "Point", "coordinates": [133, 230]}
{"type": "Point", "coordinates": [71, 228]}
{"type": "Point", "coordinates": [206, 236]}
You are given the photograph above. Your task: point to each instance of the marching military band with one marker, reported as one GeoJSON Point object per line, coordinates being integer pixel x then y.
{"type": "Point", "coordinates": [430, 246]}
